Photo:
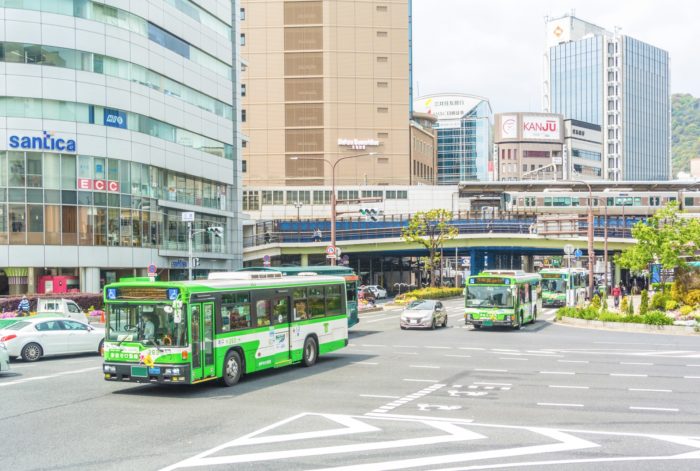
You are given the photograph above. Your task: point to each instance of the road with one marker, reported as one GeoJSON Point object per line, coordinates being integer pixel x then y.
{"type": "Point", "coordinates": [547, 396]}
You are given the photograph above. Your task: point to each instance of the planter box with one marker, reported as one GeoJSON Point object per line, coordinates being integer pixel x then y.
{"type": "Point", "coordinates": [630, 327]}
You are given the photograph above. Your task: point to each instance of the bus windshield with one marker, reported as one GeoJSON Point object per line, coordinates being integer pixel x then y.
{"type": "Point", "coordinates": [146, 323]}
{"type": "Point", "coordinates": [555, 285]}
{"type": "Point", "coordinates": [489, 296]}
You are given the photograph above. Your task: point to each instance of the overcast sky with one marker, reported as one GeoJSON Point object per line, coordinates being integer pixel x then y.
{"type": "Point", "coordinates": [494, 48]}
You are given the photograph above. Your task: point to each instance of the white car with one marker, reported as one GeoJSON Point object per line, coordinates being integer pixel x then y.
{"type": "Point", "coordinates": [426, 313]}
{"type": "Point", "coordinates": [4, 359]}
{"type": "Point", "coordinates": [35, 337]}
{"type": "Point", "coordinates": [378, 291]}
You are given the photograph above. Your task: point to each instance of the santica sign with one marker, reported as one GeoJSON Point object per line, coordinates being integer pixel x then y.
{"type": "Point", "coordinates": [358, 144]}
{"type": "Point", "coordinates": [45, 142]}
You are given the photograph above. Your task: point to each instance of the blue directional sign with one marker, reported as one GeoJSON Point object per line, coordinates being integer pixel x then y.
{"type": "Point", "coordinates": [578, 253]}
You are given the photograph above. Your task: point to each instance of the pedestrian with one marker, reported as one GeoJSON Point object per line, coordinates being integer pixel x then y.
{"type": "Point", "coordinates": [268, 237]}
{"type": "Point", "coordinates": [616, 292]}
{"type": "Point", "coordinates": [23, 307]}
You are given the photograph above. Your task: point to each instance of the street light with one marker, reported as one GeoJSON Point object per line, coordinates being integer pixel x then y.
{"type": "Point", "coordinates": [333, 200]}
{"type": "Point", "coordinates": [217, 231]}
{"type": "Point", "coordinates": [591, 253]}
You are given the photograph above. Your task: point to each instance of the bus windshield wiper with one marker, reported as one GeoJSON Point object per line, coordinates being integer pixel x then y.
{"type": "Point", "coordinates": [154, 344]}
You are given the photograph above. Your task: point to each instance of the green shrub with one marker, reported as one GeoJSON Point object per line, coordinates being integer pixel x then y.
{"type": "Point", "coordinates": [659, 300]}
{"type": "Point", "coordinates": [630, 306]}
{"type": "Point", "coordinates": [657, 318]}
{"type": "Point", "coordinates": [685, 310]}
{"type": "Point", "coordinates": [607, 316]}
{"type": "Point", "coordinates": [671, 305]}
{"type": "Point", "coordinates": [428, 293]}
{"type": "Point", "coordinates": [595, 302]}
{"type": "Point", "coordinates": [632, 319]}
{"type": "Point", "coordinates": [624, 305]}
{"type": "Point", "coordinates": [692, 297]}
{"type": "Point", "coordinates": [644, 303]}
{"type": "Point", "coordinates": [661, 286]}
{"type": "Point", "coordinates": [677, 291]}
{"type": "Point", "coordinates": [567, 312]}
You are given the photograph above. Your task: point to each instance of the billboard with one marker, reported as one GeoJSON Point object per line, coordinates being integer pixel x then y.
{"type": "Point", "coordinates": [446, 107]}
{"type": "Point", "coordinates": [509, 126]}
{"type": "Point", "coordinates": [541, 127]}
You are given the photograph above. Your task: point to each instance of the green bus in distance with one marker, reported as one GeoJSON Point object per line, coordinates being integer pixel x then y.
{"type": "Point", "coordinates": [351, 282]}
{"type": "Point", "coordinates": [556, 281]}
{"type": "Point", "coordinates": [502, 298]}
{"type": "Point", "coordinates": [187, 332]}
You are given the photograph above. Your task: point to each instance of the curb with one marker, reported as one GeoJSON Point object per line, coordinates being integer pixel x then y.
{"type": "Point", "coordinates": [372, 309]}
{"type": "Point", "coordinates": [628, 327]}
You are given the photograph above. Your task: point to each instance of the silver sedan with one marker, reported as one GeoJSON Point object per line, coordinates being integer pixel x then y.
{"type": "Point", "coordinates": [4, 359]}
{"type": "Point", "coordinates": [426, 313]}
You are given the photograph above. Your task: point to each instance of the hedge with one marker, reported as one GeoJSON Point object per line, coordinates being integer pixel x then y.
{"type": "Point", "coordinates": [428, 293]}
{"type": "Point", "coordinates": [84, 300]}
{"type": "Point", "coordinates": [650, 318]}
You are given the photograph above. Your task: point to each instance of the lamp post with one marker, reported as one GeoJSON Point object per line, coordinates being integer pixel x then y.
{"type": "Point", "coordinates": [591, 253]}
{"type": "Point", "coordinates": [298, 205]}
{"type": "Point", "coordinates": [333, 199]}
{"type": "Point", "coordinates": [215, 230]}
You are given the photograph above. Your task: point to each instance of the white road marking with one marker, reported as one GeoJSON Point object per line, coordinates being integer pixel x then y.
{"type": "Point", "coordinates": [557, 386]}
{"type": "Point", "coordinates": [626, 375]}
{"type": "Point", "coordinates": [370, 345]}
{"type": "Point", "coordinates": [379, 396]}
{"type": "Point", "coordinates": [493, 384]}
{"type": "Point", "coordinates": [404, 346]}
{"type": "Point", "coordinates": [471, 348]}
{"type": "Point", "coordinates": [634, 363]}
{"type": "Point", "coordinates": [693, 365]}
{"type": "Point", "coordinates": [555, 404]}
{"type": "Point", "coordinates": [514, 359]}
{"type": "Point", "coordinates": [661, 409]}
{"type": "Point", "coordinates": [438, 347]}
{"type": "Point", "coordinates": [572, 361]}
{"type": "Point", "coordinates": [691, 377]}
{"type": "Point", "coordinates": [557, 372]}
{"type": "Point", "coordinates": [650, 390]}
{"type": "Point", "coordinates": [458, 356]}
{"type": "Point", "coordinates": [385, 318]}
{"type": "Point", "coordinates": [491, 370]}
{"type": "Point", "coordinates": [424, 366]}
{"type": "Point", "coordinates": [364, 363]}
{"type": "Point", "coordinates": [56, 375]}
{"type": "Point", "coordinates": [407, 353]}
{"type": "Point", "coordinates": [421, 380]}
{"type": "Point", "coordinates": [504, 350]}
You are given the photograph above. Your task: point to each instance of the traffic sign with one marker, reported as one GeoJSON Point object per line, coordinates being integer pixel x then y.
{"type": "Point", "coordinates": [568, 249]}
{"type": "Point", "coordinates": [266, 260]}
{"type": "Point", "coordinates": [152, 269]}
{"type": "Point", "coordinates": [188, 216]}
{"type": "Point", "coordinates": [578, 253]}
{"type": "Point", "coordinates": [330, 250]}
{"type": "Point", "coordinates": [330, 256]}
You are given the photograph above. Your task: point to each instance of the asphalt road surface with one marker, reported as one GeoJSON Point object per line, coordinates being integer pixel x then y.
{"type": "Point", "coordinates": [545, 397]}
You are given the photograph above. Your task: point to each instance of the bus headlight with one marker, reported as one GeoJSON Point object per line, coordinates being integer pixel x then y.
{"type": "Point", "coordinates": [110, 369]}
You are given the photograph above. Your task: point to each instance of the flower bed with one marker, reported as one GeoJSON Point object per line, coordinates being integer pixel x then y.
{"type": "Point", "coordinates": [593, 314]}
{"type": "Point", "coordinates": [428, 293]}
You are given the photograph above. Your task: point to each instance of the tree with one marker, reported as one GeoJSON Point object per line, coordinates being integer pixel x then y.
{"type": "Point", "coordinates": [666, 238]}
{"type": "Point", "coordinates": [430, 229]}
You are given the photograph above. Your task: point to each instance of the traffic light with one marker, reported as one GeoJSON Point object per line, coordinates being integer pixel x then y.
{"type": "Point", "coordinates": [195, 261]}
{"type": "Point", "coordinates": [216, 231]}
{"type": "Point", "coordinates": [369, 213]}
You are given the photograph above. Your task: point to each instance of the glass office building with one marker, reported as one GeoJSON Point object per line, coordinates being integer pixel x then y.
{"type": "Point", "coordinates": [618, 83]}
{"type": "Point", "coordinates": [115, 122]}
{"type": "Point", "coordinates": [463, 135]}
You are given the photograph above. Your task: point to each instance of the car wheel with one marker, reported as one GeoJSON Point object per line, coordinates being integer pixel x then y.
{"type": "Point", "coordinates": [101, 348]}
{"type": "Point", "coordinates": [32, 352]}
{"type": "Point", "coordinates": [433, 325]}
{"type": "Point", "coordinates": [233, 368]}
{"type": "Point", "coordinates": [310, 352]}
{"type": "Point", "coordinates": [444, 323]}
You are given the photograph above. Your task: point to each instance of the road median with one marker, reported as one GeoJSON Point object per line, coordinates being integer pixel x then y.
{"type": "Point", "coordinates": [628, 326]}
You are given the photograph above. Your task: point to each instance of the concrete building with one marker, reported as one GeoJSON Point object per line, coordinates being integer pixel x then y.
{"type": "Point", "coordinates": [464, 135]}
{"type": "Point", "coordinates": [325, 80]}
{"type": "Point", "coordinates": [423, 149]}
{"type": "Point", "coordinates": [115, 119]}
{"type": "Point", "coordinates": [618, 83]}
{"type": "Point", "coordinates": [544, 146]}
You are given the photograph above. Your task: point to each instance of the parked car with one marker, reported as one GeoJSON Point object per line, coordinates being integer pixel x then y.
{"type": "Point", "coordinates": [4, 359]}
{"type": "Point", "coordinates": [378, 291]}
{"type": "Point", "coordinates": [426, 313]}
{"type": "Point", "coordinates": [36, 337]}
{"type": "Point", "coordinates": [61, 307]}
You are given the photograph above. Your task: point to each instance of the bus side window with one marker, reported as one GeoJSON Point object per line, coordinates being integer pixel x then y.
{"type": "Point", "coordinates": [262, 312]}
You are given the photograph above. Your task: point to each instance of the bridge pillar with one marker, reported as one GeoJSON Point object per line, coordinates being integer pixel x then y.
{"type": "Point", "coordinates": [304, 260]}
{"type": "Point", "coordinates": [477, 259]}
{"type": "Point", "coordinates": [528, 263]}
{"type": "Point", "coordinates": [618, 275]}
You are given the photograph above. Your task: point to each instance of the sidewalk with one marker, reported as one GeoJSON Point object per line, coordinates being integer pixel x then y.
{"type": "Point", "coordinates": [636, 300]}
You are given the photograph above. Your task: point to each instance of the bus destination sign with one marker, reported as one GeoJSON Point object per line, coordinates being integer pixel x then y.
{"type": "Point", "coordinates": [133, 293]}
{"type": "Point", "coordinates": [488, 280]}
{"type": "Point", "coordinates": [555, 276]}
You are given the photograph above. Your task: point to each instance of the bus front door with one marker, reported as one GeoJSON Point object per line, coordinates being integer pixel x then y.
{"type": "Point", "coordinates": [281, 318]}
{"type": "Point", "coordinates": [202, 317]}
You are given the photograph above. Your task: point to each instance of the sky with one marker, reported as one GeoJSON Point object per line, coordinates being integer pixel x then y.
{"type": "Point", "coordinates": [494, 48]}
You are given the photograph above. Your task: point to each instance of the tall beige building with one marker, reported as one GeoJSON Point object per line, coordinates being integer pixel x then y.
{"type": "Point", "coordinates": [325, 79]}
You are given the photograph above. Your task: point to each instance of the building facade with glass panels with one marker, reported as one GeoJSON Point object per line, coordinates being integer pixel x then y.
{"type": "Point", "coordinates": [114, 121]}
{"type": "Point", "coordinates": [463, 136]}
{"type": "Point", "coordinates": [618, 83]}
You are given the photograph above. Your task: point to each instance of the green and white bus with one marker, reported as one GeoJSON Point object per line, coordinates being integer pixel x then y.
{"type": "Point", "coordinates": [502, 298]}
{"type": "Point", "coordinates": [233, 323]}
{"type": "Point", "coordinates": [351, 282]}
{"type": "Point", "coordinates": [555, 283]}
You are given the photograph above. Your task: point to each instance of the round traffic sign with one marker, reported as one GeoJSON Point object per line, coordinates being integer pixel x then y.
{"type": "Point", "coordinates": [330, 250]}
{"type": "Point", "coordinates": [152, 269]}
{"type": "Point", "coordinates": [568, 249]}
{"type": "Point", "coordinates": [578, 253]}
{"type": "Point", "coordinates": [266, 258]}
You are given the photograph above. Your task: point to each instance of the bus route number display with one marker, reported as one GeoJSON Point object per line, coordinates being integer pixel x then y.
{"type": "Point", "coordinates": [485, 280]}
{"type": "Point", "coordinates": [555, 276]}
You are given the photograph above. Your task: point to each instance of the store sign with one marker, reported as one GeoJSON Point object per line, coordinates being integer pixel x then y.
{"type": "Point", "coordinates": [358, 144]}
{"type": "Point", "coordinates": [541, 127]}
{"type": "Point", "coordinates": [509, 126]}
{"type": "Point", "coordinates": [446, 107]}
{"type": "Point", "coordinates": [47, 141]}
{"type": "Point", "coordinates": [98, 185]}
{"type": "Point", "coordinates": [115, 118]}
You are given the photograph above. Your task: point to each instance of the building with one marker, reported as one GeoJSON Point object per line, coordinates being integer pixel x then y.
{"type": "Point", "coordinates": [324, 80]}
{"type": "Point", "coordinates": [423, 149]}
{"type": "Point", "coordinates": [464, 135]}
{"type": "Point", "coordinates": [545, 146]}
{"type": "Point", "coordinates": [618, 83]}
{"type": "Point", "coordinates": [117, 122]}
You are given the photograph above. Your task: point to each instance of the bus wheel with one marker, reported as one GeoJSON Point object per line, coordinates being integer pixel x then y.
{"type": "Point", "coordinates": [520, 322]}
{"type": "Point", "coordinates": [310, 352]}
{"type": "Point", "coordinates": [476, 326]}
{"type": "Point", "coordinates": [233, 368]}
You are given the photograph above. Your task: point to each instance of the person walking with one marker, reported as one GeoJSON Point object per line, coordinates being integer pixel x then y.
{"type": "Point", "coordinates": [23, 307]}
{"type": "Point", "coordinates": [616, 291]}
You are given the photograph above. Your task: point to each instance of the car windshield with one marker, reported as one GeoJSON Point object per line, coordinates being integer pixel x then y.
{"type": "Point", "coordinates": [554, 285]}
{"type": "Point", "coordinates": [489, 296]}
{"type": "Point", "coordinates": [421, 305]}
{"type": "Point", "coordinates": [146, 323]}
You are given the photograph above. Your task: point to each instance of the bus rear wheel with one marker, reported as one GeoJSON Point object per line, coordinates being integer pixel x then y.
{"type": "Point", "coordinates": [233, 368]}
{"type": "Point", "coordinates": [310, 352]}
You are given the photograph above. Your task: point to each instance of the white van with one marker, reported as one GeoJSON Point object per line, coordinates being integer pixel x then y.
{"type": "Point", "coordinates": [61, 307]}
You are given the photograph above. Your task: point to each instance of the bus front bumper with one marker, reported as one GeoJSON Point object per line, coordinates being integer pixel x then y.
{"type": "Point", "coordinates": [488, 322]}
{"type": "Point", "coordinates": [139, 373]}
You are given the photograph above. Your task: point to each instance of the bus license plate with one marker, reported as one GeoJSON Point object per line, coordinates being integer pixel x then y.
{"type": "Point", "coordinates": [140, 371]}
{"type": "Point", "coordinates": [488, 323]}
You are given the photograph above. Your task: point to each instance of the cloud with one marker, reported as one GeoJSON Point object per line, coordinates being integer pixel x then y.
{"type": "Point", "coordinates": [495, 48]}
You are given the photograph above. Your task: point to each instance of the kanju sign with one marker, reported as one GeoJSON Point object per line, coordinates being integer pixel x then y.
{"type": "Point", "coordinates": [541, 127]}
{"type": "Point", "coordinates": [98, 185]}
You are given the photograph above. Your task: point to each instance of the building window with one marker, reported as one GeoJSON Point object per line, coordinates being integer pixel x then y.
{"type": "Point", "coordinates": [382, 84]}
{"type": "Point", "coordinates": [243, 116]}
{"type": "Point", "coordinates": [383, 135]}
{"type": "Point", "coordinates": [536, 153]}
{"type": "Point", "coordinates": [382, 59]}
{"type": "Point", "coordinates": [382, 34]}
{"type": "Point", "coordinates": [242, 14]}
{"type": "Point", "coordinates": [242, 39]}
{"type": "Point", "coordinates": [244, 166]}
{"type": "Point", "coordinates": [382, 109]}
{"type": "Point", "coordinates": [243, 89]}
{"type": "Point", "coordinates": [382, 8]}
